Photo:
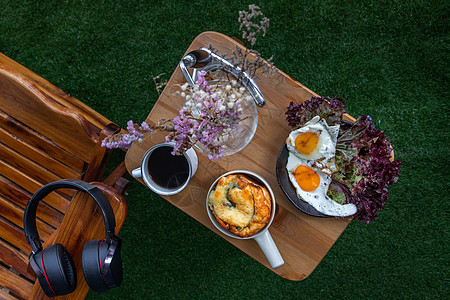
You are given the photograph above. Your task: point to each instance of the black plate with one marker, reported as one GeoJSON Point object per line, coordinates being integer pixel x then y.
{"type": "Point", "coordinates": [288, 188]}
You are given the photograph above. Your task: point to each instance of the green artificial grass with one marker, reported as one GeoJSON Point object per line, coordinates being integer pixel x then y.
{"type": "Point", "coordinates": [387, 59]}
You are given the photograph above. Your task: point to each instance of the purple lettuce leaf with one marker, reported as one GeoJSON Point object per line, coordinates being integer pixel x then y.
{"type": "Point", "coordinates": [328, 108]}
{"type": "Point", "coordinates": [369, 170]}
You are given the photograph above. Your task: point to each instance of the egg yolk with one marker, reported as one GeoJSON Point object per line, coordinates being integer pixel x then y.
{"type": "Point", "coordinates": [306, 142]}
{"type": "Point", "coordinates": [307, 178]}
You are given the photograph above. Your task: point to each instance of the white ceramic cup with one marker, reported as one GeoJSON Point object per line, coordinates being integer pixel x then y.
{"type": "Point", "coordinates": [143, 172]}
{"type": "Point", "coordinates": [262, 237]}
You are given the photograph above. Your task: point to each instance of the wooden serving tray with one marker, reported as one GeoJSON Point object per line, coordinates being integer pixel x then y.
{"type": "Point", "coordinates": [302, 240]}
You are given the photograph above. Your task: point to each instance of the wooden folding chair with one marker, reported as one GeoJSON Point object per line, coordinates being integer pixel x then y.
{"type": "Point", "coordinates": [47, 135]}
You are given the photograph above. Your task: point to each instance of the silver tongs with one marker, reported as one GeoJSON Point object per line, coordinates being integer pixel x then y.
{"type": "Point", "coordinates": [204, 59]}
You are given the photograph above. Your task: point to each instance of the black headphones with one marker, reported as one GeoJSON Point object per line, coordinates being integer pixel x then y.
{"type": "Point", "coordinates": [102, 264]}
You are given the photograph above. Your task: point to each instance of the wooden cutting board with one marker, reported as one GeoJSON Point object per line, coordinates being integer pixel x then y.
{"type": "Point", "coordinates": [302, 240]}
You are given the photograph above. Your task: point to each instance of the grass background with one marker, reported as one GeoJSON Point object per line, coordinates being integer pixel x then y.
{"type": "Point", "coordinates": [387, 59]}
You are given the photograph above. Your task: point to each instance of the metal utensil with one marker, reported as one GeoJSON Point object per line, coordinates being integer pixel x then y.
{"type": "Point", "coordinates": [204, 59]}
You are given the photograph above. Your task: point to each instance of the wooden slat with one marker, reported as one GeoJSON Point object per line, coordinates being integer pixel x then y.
{"type": "Point", "coordinates": [37, 156]}
{"type": "Point", "coordinates": [21, 198]}
{"type": "Point", "coordinates": [31, 185]}
{"type": "Point", "coordinates": [26, 165]}
{"type": "Point", "coordinates": [14, 235]}
{"type": "Point", "coordinates": [25, 133]}
{"type": "Point", "coordinates": [67, 128]}
{"type": "Point", "coordinates": [15, 259]}
{"type": "Point", "coordinates": [5, 296]}
{"type": "Point", "coordinates": [14, 283]}
{"type": "Point", "coordinates": [14, 214]}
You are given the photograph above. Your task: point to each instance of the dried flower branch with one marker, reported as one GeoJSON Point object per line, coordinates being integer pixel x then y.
{"type": "Point", "coordinates": [249, 60]}
{"type": "Point", "coordinates": [252, 65]}
{"type": "Point", "coordinates": [159, 85]}
{"type": "Point", "coordinates": [135, 132]}
{"type": "Point", "coordinates": [251, 29]}
{"type": "Point", "coordinates": [210, 114]}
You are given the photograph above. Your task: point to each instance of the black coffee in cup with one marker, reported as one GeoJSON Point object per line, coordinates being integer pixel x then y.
{"type": "Point", "coordinates": [164, 173]}
{"type": "Point", "coordinates": [167, 170]}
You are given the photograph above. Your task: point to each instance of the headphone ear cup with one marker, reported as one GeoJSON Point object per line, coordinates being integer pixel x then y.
{"type": "Point", "coordinates": [36, 264]}
{"type": "Point", "coordinates": [95, 253]}
{"type": "Point", "coordinates": [56, 272]}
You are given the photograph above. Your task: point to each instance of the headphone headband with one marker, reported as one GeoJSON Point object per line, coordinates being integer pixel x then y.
{"type": "Point", "coordinates": [29, 220]}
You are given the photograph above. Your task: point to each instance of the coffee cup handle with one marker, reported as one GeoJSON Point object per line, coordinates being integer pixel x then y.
{"type": "Point", "coordinates": [136, 173]}
{"type": "Point", "coordinates": [270, 250]}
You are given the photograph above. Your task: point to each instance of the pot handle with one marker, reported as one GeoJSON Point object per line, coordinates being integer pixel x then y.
{"type": "Point", "coordinates": [270, 250]}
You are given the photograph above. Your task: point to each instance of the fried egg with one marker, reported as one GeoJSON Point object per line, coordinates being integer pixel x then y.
{"type": "Point", "coordinates": [311, 185]}
{"type": "Point", "coordinates": [314, 141]}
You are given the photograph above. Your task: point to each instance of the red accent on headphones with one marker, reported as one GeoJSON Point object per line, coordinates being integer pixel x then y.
{"type": "Point", "coordinates": [100, 262]}
{"type": "Point", "coordinates": [45, 273]}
